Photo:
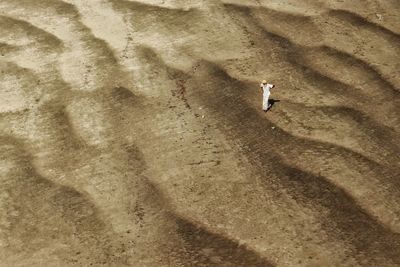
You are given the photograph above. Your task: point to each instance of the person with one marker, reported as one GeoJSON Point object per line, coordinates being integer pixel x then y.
{"type": "Point", "coordinates": [266, 87]}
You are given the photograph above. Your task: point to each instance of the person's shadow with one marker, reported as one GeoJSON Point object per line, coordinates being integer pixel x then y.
{"type": "Point", "coordinates": [272, 102]}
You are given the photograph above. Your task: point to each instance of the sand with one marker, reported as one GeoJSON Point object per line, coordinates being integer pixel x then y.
{"type": "Point", "coordinates": [132, 133]}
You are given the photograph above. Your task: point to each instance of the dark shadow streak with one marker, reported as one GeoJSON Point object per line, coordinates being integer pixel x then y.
{"type": "Point", "coordinates": [272, 102]}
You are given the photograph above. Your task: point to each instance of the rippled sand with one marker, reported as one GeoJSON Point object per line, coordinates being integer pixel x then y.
{"type": "Point", "coordinates": [132, 133]}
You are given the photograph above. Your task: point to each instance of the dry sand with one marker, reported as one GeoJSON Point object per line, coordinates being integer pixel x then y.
{"type": "Point", "coordinates": [132, 133]}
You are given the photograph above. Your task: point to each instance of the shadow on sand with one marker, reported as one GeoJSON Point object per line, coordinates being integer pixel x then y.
{"type": "Point", "coordinates": [272, 102]}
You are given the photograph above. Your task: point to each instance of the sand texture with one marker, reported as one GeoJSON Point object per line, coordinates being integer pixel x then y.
{"type": "Point", "coordinates": [132, 133]}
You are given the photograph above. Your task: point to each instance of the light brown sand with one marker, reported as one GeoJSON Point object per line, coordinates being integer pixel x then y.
{"type": "Point", "coordinates": [132, 133]}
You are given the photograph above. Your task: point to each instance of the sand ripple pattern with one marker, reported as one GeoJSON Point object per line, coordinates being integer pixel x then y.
{"type": "Point", "coordinates": [132, 135]}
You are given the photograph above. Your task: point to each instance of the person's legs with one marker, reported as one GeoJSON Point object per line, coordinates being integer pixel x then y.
{"type": "Point", "coordinates": [265, 102]}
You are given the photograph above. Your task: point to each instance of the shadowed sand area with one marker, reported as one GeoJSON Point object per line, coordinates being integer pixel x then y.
{"type": "Point", "coordinates": [132, 133]}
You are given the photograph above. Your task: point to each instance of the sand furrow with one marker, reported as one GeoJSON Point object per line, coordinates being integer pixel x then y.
{"type": "Point", "coordinates": [320, 151]}
{"type": "Point", "coordinates": [34, 204]}
{"type": "Point", "coordinates": [349, 36]}
{"type": "Point", "coordinates": [132, 135]}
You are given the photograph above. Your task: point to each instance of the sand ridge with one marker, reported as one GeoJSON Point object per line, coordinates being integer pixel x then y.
{"type": "Point", "coordinates": [132, 133]}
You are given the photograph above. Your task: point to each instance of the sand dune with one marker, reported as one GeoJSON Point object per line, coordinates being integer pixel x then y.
{"type": "Point", "coordinates": [132, 133]}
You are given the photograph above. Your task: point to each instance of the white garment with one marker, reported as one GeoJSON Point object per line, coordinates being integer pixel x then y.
{"type": "Point", "coordinates": [266, 93]}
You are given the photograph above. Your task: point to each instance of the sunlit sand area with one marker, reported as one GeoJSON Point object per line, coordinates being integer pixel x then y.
{"type": "Point", "coordinates": [132, 133]}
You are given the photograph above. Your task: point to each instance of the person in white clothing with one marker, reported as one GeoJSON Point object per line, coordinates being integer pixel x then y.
{"type": "Point", "coordinates": [266, 92]}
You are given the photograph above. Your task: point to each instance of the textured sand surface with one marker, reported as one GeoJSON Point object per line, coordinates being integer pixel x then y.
{"type": "Point", "coordinates": [132, 133]}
